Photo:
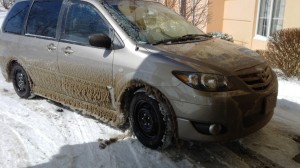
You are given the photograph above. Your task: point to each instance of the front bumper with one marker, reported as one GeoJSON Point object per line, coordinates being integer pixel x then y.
{"type": "Point", "coordinates": [239, 113]}
{"type": "Point", "coordinates": [234, 122]}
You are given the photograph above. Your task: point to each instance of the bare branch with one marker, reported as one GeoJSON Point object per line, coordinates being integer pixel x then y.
{"type": "Point", "coordinates": [195, 11]}
{"type": "Point", "coordinates": [170, 3]}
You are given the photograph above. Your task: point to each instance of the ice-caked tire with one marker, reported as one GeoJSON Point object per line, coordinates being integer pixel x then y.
{"type": "Point", "coordinates": [20, 81]}
{"type": "Point", "coordinates": [150, 121]}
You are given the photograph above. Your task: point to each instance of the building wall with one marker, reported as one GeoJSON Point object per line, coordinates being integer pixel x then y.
{"type": "Point", "coordinates": [239, 19]}
{"type": "Point", "coordinates": [292, 14]}
{"type": "Point", "coordinates": [215, 16]}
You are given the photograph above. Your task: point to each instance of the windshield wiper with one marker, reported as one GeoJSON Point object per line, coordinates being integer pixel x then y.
{"type": "Point", "coordinates": [183, 38]}
{"type": "Point", "coordinates": [196, 35]}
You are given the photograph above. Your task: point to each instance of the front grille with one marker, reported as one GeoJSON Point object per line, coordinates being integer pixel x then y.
{"type": "Point", "coordinates": [257, 78]}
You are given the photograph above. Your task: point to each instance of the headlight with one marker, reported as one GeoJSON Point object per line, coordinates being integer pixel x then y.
{"type": "Point", "coordinates": [203, 81]}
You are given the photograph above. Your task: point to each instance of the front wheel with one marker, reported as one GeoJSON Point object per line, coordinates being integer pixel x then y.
{"type": "Point", "coordinates": [20, 81]}
{"type": "Point", "coordinates": [150, 121]}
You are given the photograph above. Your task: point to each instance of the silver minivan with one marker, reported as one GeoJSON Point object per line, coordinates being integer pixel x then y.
{"type": "Point", "coordinates": [138, 62]}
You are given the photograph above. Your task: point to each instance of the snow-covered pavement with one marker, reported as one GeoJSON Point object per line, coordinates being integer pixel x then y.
{"type": "Point", "coordinates": [41, 133]}
{"type": "Point", "coordinates": [34, 133]}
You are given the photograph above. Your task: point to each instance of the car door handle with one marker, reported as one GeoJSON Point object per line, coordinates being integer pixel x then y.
{"type": "Point", "coordinates": [68, 50]}
{"type": "Point", "coordinates": [51, 47]}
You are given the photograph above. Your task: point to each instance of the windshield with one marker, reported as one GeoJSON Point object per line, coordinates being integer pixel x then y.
{"type": "Point", "coordinates": [149, 22]}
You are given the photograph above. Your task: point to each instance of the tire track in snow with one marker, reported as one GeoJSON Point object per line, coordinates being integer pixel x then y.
{"type": "Point", "coordinates": [252, 158]}
{"type": "Point", "coordinates": [297, 157]}
{"type": "Point", "coordinates": [19, 117]}
{"type": "Point", "coordinates": [275, 141]}
{"type": "Point", "coordinates": [12, 147]}
{"type": "Point", "coordinates": [32, 126]}
{"type": "Point", "coordinates": [31, 138]}
{"type": "Point", "coordinates": [200, 155]}
{"type": "Point", "coordinates": [132, 151]}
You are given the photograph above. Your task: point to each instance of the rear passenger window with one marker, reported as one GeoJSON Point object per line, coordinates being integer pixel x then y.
{"type": "Point", "coordinates": [15, 18]}
{"type": "Point", "coordinates": [83, 20]}
{"type": "Point", "coordinates": [43, 18]}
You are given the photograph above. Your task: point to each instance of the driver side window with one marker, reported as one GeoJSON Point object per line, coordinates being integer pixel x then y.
{"type": "Point", "coordinates": [83, 20]}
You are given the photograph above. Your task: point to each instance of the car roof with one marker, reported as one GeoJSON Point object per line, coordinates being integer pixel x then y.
{"type": "Point", "coordinates": [118, 1]}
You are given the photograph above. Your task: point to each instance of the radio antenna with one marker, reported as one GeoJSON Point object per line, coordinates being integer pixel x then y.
{"type": "Point", "coordinates": [136, 42]}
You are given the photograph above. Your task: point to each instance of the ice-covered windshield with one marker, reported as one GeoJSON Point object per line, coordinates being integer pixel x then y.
{"type": "Point", "coordinates": [149, 22]}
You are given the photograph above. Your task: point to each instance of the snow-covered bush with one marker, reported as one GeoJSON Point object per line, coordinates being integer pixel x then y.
{"type": "Point", "coordinates": [221, 35]}
{"type": "Point", "coordinates": [283, 51]}
{"type": "Point", "coordinates": [7, 3]}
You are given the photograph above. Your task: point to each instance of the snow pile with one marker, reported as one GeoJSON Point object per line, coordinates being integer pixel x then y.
{"type": "Point", "coordinates": [289, 90]}
{"type": "Point", "coordinates": [2, 15]}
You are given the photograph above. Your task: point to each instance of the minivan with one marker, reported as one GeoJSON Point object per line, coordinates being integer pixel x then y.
{"type": "Point", "coordinates": [137, 62]}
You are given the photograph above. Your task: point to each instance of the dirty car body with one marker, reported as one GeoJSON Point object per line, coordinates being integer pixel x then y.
{"type": "Point", "coordinates": [140, 62]}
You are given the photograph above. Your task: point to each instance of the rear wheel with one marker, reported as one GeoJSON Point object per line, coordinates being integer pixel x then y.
{"type": "Point", "coordinates": [20, 81]}
{"type": "Point", "coordinates": [150, 121]}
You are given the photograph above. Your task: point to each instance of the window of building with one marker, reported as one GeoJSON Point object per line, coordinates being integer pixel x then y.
{"type": "Point", "coordinates": [15, 19]}
{"type": "Point", "coordinates": [270, 17]}
{"type": "Point", "coordinates": [83, 20]}
{"type": "Point", "coordinates": [43, 18]}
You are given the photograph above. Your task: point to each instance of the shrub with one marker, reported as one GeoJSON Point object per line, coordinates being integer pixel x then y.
{"type": "Point", "coordinates": [283, 51]}
{"type": "Point", "coordinates": [221, 35]}
{"type": "Point", "coordinates": [266, 55]}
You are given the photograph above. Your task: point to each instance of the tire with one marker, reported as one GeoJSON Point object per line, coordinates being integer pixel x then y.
{"type": "Point", "coordinates": [151, 125]}
{"type": "Point", "coordinates": [20, 81]}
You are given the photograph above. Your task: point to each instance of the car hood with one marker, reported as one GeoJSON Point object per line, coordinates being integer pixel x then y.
{"type": "Point", "coordinates": [215, 54]}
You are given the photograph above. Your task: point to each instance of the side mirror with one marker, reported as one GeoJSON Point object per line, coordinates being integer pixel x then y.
{"type": "Point", "coordinates": [100, 40]}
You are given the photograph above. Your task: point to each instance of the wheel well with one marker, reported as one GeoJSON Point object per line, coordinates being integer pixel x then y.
{"type": "Point", "coordinates": [127, 95]}
{"type": "Point", "coordinates": [126, 99]}
{"type": "Point", "coordinates": [135, 86]}
{"type": "Point", "coordinates": [9, 68]}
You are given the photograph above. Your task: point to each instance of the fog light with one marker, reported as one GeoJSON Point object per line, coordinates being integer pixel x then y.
{"type": "Point", "coordinates": [209, 128]}
{"type": "Point", "coordinates": [215, 129]}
